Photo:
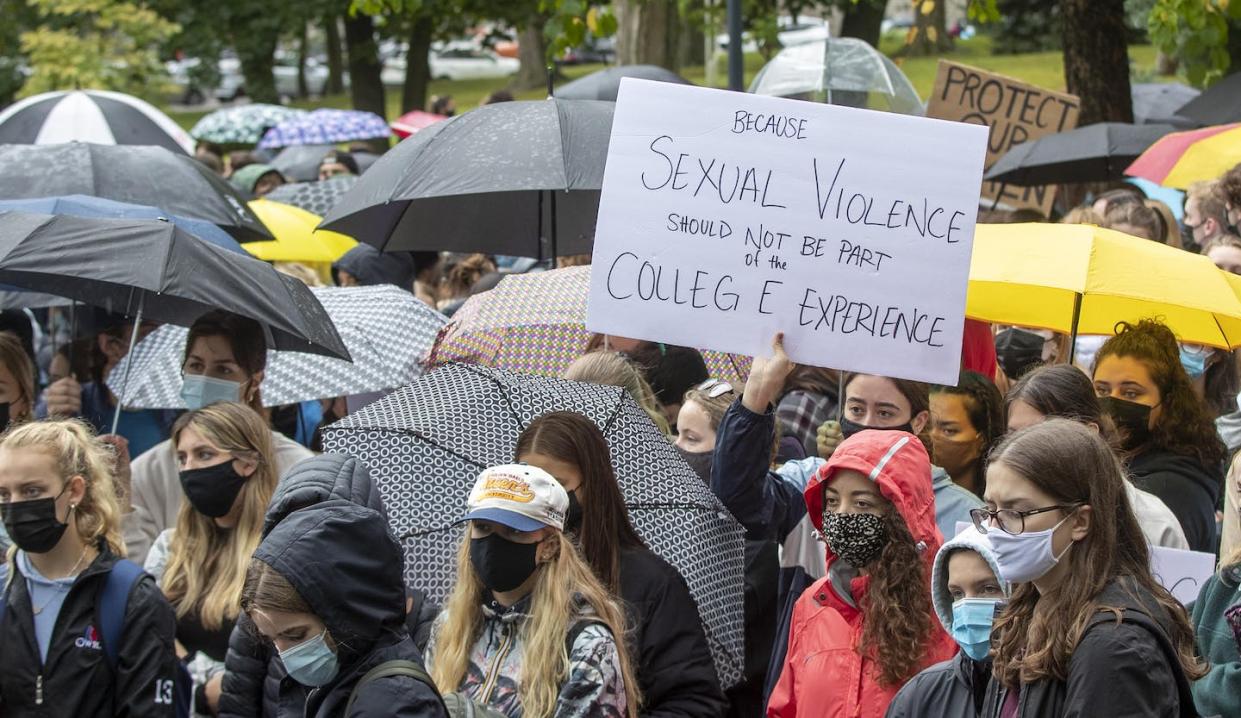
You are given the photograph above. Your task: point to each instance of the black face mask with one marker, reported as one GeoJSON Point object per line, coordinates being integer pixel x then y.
{"type": "Point", "coordinates": [212, 490]}
{"type": "Point", "coordinates": [1018, 351]}
{"type": "Point", "coordinates": [502, 565]}
{"type": "Point", "coordinates": [849, 428]}
{"type": "Point", "coordinates": [1132, 418]}
{"type": "Point", "coordinates": [5, 409]}
{"type": "Point", "coordinates": [33, 525]}
{"type": "Point", "coordinates": [699, 461]}
{"type": "Point", "coordinates": [573, 516]}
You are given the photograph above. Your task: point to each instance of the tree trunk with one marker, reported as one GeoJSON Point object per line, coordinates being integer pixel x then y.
{"type": "Point", "coordinates": [366, 87]}
{"type": "Point", "coordinates": [1096, 59]}
{"type": "Point", "coordinates": [864, 20]}
{"type": "Point", "coordinates": [303, 49]}
{"type": "Point", "coordinates": [417, 67]}
{"type": "Point", "coordinates": [256, 50]}
{"type": "Point", "coordinates": [690, 46]}
{"type": "Point", "coordinates": [646, 32]}
{"type": "Point", "coordinates": [532, 53]}
{"type": "Point", "coordinates": [335, 63]}
{"type": "Point", "coordinates": [929, 35]}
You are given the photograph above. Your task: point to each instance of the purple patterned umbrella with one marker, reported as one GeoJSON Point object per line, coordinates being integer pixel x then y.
{"type": "Point", "coordinates": [326, 127]}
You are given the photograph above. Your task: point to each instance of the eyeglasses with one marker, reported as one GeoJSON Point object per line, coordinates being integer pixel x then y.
{"type": "Point", "coordinates": [714, 388]}
{"type": "Point", "coordinates": [1011, 521]}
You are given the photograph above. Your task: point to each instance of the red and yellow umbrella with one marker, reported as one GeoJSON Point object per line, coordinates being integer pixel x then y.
{"type": "Point", "coordinates": [1181, 158]}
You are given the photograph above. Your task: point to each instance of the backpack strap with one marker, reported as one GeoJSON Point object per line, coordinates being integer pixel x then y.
{"type": "Point", "coordinates": [388, 669]}
{"type": "Point", "coordinates": [113, 600]}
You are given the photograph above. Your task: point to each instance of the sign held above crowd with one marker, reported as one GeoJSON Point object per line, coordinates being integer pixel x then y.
{"type": "Point", "coordinates": [727, 217]}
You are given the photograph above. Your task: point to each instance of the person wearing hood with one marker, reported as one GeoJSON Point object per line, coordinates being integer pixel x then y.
{"type": "Point", "coordinates": [869, 623]}
{"type": "Point", "coordinates": [225, 360]}
{"type": "Point", "coordinates": [1166, 435]}
{"type": "Point", "coordinates": [671, 656]}
{"type": "Point", "coordinates": [967, 592]}
{"type": "Point", "coordinates": [257, 179]}
{"type": "Point", "coordinates": [528, 630]}
{"type": "Point", "coordinates": [334, 621]}
{"type": "Point", "coordinates": [364, 266]}
{"type": "Point", "coordinates": [1088, 630]}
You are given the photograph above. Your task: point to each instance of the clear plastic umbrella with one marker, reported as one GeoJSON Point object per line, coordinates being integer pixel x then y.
{"type": "Point", "coordinates": [839, 71]}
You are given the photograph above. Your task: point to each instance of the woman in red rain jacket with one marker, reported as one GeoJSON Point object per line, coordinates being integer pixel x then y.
{"type": "Point", "coordinates": [868, 626]}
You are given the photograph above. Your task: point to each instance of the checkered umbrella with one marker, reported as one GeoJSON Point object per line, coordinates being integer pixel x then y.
{"type": "Point", "coordinates": [314, 197]}
{"type": "Point", "coordinates": [386, 329]}
{"type": "Point", "coordinates": [426, 443]}
{"type": "Point", "coordinates": [536, 323]}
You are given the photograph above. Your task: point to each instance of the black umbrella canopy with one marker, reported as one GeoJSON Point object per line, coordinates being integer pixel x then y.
{"type": "Point", "coordinates": [1219, 104]}
{"type": "Point", "coordinates": [1156, 103]}
{"type": "Point", "coordinates": [501, 179]}
{"type": "Point", "coordinates": [300, 163]}
{"type": "Point", "coordinates": [605, 84]}
{"type": "Point", "coordinates": [174, 277]}
{"type": "Point", "coordinates": [137, 174]}
{"type": "Point", "coordinates": [1094, 153]}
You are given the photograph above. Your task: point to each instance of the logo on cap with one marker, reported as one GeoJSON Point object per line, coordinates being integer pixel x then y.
{"type": "Point", "coordinates": [506, 488]}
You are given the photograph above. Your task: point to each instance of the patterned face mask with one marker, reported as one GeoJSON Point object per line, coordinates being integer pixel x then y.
{"type": "Point", "coordinates": [857, 539]}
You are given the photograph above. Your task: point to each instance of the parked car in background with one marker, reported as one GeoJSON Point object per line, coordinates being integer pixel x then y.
{"type": "Point", "coordinates": [595, 49]}
{"type": "Point", "coordinates": [454, 61]}
{"type": "Point", "coordinates": [805, 29]}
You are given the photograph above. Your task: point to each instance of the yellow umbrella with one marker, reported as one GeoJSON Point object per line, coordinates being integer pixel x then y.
{"type": "Point", "coordinates": [297, 240]}
{"type": "Point", "coordinates": [1084, 279]}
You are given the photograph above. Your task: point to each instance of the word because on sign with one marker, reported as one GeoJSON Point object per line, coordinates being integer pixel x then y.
{"type": "Point", "coordinates": [725, 218]}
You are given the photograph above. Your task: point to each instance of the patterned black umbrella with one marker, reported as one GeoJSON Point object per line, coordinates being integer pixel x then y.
{"type": "Point", "coordinates": [426, 443]}
{"type": "Point", "coordinates": [314, 197]}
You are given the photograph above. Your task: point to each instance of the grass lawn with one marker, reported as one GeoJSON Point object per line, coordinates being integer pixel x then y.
{"type": "Point", "coordinates": [1045, 69]}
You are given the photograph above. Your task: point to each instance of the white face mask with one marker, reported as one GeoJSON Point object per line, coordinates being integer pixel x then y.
{"type": "Point", "coordinates": [1027, 556]}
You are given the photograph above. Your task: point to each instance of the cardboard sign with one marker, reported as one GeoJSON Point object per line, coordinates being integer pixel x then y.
{"type": "Point", "coordinates": [1014, 111]}
{"type": "Point", "coordinates": [728, 217]}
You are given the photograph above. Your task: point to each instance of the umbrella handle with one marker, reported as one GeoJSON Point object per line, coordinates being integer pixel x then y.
{"type": "Point", "coordinates": [129, 355]}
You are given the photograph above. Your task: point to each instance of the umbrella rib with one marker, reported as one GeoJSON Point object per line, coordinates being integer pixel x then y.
{"type": "Point", "coordinates": [507, 402]}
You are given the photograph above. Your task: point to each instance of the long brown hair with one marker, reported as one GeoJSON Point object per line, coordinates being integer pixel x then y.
{"type": "Point", "coordinates": [14, 357]}
{"type": "Point", "coordinates": [897, 606]}
{"type": "Point", "coordinates": [1036, 635]}
{"type": "Point", "coordinates": [574, 439]}
{"type": "Point", "coordinates": [245, 337]}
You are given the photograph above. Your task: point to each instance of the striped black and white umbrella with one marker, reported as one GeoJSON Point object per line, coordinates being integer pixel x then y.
{"type": "Point", "coordinates": [104, 118]}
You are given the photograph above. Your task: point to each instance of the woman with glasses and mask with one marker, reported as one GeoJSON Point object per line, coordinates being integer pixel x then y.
{"type": "Point", "coordinates": [1088, 630]}
{"type": "Point", "coordinates": [668, 647]}
{"type": "Point", "coordinates": [224, 453]}
{"type": "Point", "coordinates": [866, 628]}
{"type": "Point", "coordinates": [1167, 437]}
{"type": "Point", "coordinates": [225, 360]}
{"type": "Point", "coordinates": [83, 632]}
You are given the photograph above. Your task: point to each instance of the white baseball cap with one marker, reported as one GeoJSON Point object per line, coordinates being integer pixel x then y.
{"type": "Point", "coordinates": [522, 497]}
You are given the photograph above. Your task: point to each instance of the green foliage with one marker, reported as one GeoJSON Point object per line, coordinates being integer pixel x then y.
{"type": "Point", "coordinates": [1196, 33]}
{"type": "Point", "coordinates": [570, 21]}
{"type": "Point", "coordinates": [1026, 26]}
{"type": "Point", "coordinates": [97, 44]}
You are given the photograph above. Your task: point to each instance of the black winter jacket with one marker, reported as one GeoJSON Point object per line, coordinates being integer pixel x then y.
{"type": "Point", "coordinates": [1187, 487]}
{"type": "Point", "coordinates": [1118, 669]}
{"type": "Point", "coordinates": [255, 683]}
{"type": "Point", "coordinates": [955, 688]}
{"type": "Point", "coordinates": [674, 664]}
{"type": "Point", "coordinates": [77, 679]}
{"type": "Point", "coordinates": [343, 561]}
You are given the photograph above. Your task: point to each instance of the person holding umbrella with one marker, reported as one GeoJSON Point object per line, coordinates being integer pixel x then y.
{"type": "Point", "coordinates": [82, 630]}
{"type": "Point", "coordinates": [673, 666]}
{"type": "Point", "coordinates": [528, 629]}
{"type": "Point", "coordinates": [225, 357]}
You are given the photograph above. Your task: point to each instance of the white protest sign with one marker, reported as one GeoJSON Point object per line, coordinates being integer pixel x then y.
{"type": "Point", "coordinates": [727, 217]}
{"type": "Point", "coordinates": [1183, 573]}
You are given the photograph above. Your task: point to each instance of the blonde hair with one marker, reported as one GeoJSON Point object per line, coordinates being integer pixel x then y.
{"type": "Point", "coordinates": [75, 449]}
{"type": "Point", "coordinates": [559, 583]}
{"type": "Point", "coordinates": [300, 272]}
{"type": "Point", "coordinates": [612, 369]}
{"type": "Point", "coordinates": [206, 564]}
{"type": "Point", "coordinates": [1083, 215]}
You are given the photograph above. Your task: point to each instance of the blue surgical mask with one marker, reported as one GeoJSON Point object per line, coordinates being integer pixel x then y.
{"type": "Point", "coordinates": [198, 390]}
{"type": "Point", "coordinates": [1194, 359]}
{"type": "Point", "coordinates": [311, 662]}
{"type": "Point", "coordinates": [971, 625]}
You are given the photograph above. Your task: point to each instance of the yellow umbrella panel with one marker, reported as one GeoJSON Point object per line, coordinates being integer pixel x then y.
{"type": "Point", "coordinates": [297, 240]}
{"type": "Point", "coordinates": [1083, 278]}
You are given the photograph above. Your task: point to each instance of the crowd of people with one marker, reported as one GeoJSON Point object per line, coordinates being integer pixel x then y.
{"type": "Point", "coordinates": [975, 549]}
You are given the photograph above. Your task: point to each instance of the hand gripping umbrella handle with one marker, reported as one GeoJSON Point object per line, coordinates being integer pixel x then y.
{"type": "Point", "coordinates": [129, 355]}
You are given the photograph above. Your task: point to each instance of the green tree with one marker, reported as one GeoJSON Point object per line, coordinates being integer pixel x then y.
{"type": "Point", "coordinates": [1198, 33]}
{"type": "Point", "coordinates": [98, 44]}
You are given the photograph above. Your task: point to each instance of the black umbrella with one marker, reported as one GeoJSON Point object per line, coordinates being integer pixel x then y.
{"type": "Point", "coordinates": [300, 163]}
{"type": "Point", "coordinates": [604, 84]}
{"type": "Point", "coordinates": [137, 174]}
{"type": "Point", "coordinates": [490, 180]}
{"type": "Point", "coordinates": [1156, 103]}
{"type": "Point", "coordinates": [1219, 104]}
{"type": "Point", "coordinates": [316, 197]}
{"type": "Point", "coordinates": [1094, 153]}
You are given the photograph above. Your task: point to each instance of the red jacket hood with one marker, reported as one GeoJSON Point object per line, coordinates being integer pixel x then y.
{"type": "Point", "coordinates": [895, 460]}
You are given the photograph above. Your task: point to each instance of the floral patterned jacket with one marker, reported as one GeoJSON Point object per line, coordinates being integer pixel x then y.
{"type": "Point", "coordinates": [594, 687]}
